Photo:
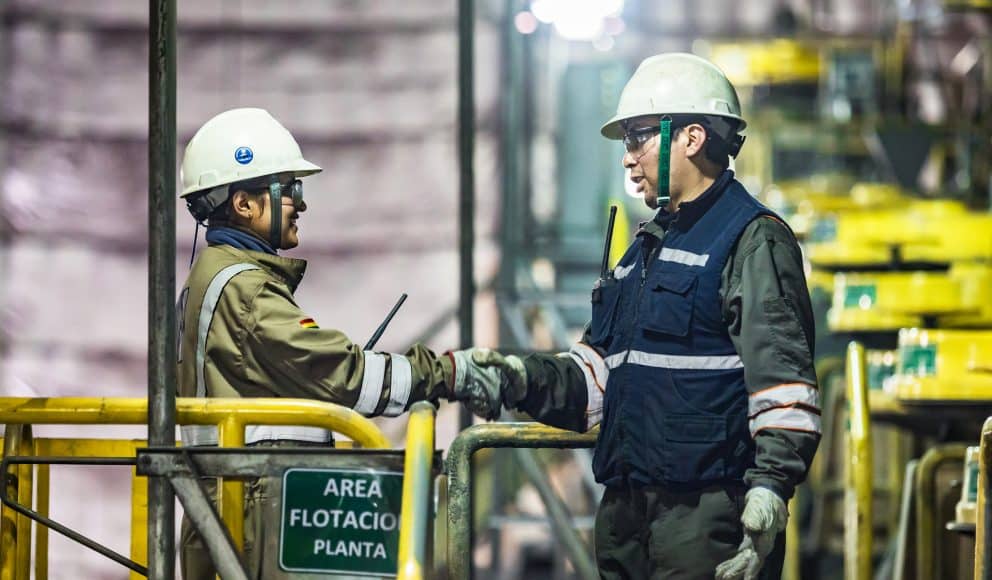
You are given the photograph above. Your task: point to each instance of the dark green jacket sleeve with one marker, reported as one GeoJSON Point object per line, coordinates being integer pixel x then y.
{"type": "Point", "coordinates": [556, 392]}
{"type": "Point", "coordinates": [770, 320]}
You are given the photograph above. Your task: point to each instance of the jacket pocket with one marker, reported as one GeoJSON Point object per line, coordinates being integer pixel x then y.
{"type": "Point", "coordinates": [669, 304]}
{"type": "Point", "coordinates": [693, 448]}
{"type": "Point", "coordinates": [604, 312]}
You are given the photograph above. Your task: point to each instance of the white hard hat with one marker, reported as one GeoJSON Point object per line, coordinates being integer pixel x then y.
{"type": "Point", "coordinates": [238, 145]}
{"type": "Point", "coordinates": [675, 84]}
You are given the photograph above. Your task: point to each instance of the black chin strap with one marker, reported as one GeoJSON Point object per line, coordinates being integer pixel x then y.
{"type": "Point", "coordinates": [275, 225]}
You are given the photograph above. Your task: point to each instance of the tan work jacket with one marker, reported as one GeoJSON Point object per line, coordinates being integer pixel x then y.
{"type": "Point", "coordinates": [241, 334]}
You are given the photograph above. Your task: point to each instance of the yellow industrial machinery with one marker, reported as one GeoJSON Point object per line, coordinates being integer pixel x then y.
{"type": "Point", "coordinates": [811, 203]}
{"type": "Point", "coordinates": [943, 365]}
{"type": "Point", "coordinates": [778, 61]}
{"type": "Point", "coordinates": [889, 301]}
{"type": "Point", "coordinates": [922, 232]}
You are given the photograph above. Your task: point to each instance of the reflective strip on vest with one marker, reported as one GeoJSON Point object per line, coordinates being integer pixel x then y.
{"type": "Point", "coordinates": [783, 396]}
{"type": "Point", "coordinates": [210, 300]}
{"type": "Point", "coordinates": [621, 272]}
{"type": "Point", "coordinates": [400, 385]}
{"type": "Point", "coordinates": [372, 379]}
{"type": "Point", "coordinates": [596, 373]}
{"type": "Point", "coordinates": [199, 435]}
{"type": "Point", "coordinates": [670, 361]}
{"type": "Point", "coordinates": [683, 257]}
{"type": "Point", "coordinates": [791, 418]}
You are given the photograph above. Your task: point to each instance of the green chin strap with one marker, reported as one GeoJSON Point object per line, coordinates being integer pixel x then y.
{"type": "Point", "coordinates": [664, 162]}
{"type": "Point", "coordinates": [275, 212]}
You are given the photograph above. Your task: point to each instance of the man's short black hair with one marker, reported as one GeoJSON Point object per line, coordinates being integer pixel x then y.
{"type": "Point", "coordinates": [717, 148]}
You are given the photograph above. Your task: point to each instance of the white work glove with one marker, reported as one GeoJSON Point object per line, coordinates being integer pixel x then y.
{"type": "Point", "coordinates": [513, 372]}
{"type": "Point", "coordinates": [477, 387]}
{"type": "Point", "coordinates": [765, 515]}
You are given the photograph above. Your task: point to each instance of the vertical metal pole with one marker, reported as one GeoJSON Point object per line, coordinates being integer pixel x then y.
{"type": "Point", "coordinates": [466, 181]}
{"type": "Point", "coordinates": [161, 277]}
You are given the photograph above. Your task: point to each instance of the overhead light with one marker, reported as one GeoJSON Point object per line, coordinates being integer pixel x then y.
{"type": "Point", "coordinates": [579, 19]}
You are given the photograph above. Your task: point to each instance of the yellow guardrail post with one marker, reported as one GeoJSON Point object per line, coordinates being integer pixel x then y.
{"type": "Point", "coordinates": [9, 524]}
{"type": "Point", "coordinates": [927, 526]}
{"type": "Point", "coordinates": [858, 509]}
{"type": "Point", "coordinates": [231, 492]}
{"type": "Point", "coordinates": [983, 525]}
{"type": "Point", "coordinates": [25, 493]}
{"type": "Point", "coordinates": [417, 473]}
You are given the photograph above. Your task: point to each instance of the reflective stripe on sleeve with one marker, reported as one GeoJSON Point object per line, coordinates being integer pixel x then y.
{"type": "Point", "coordinates": [199, 435]}
{"type": "Point", "coordinates": [400, 385]}
{"type": "Point", "coordinates": [670, 361]}
{"type": "Point", "coordinates": [792, 418]}
{"type": "Point", "coordinates": [683, 257]}
{"type": "Point", "coordinates": [375, 374]}
{"type": "Point", "coordinates": [597, 374]}
{"type": "Point", "coordinates": [787, 395]}
{"type": "Point", "coordinates": [210, 300]}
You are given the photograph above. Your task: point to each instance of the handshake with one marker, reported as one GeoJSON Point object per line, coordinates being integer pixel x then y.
{"type": "Point", "coordinates": [486, 381]}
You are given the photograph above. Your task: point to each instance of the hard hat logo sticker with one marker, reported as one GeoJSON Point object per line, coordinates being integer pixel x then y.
{"type": "Point", "coordinates": [243, 155]}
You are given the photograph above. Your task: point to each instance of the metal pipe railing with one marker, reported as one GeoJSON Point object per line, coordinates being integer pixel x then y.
{"type": "Point", "coordinates": [161, 412]}
{"type": "Point", "coordinates": [231, 416]}
{"type": "Point", "coordinates": [16, 553]}
{"type": "Point", "coordinates": [461, 535]}
{"type": "Point", "coordinates": [417, 492]}
{"type": "Point", "coordinates": [466, 181]}
{"type": "Point", "coordinates": [858, 509]}
{"type": "Point", "coordinates": [927, 526]}
{"type": "Point", "coordinates": [983, 525]}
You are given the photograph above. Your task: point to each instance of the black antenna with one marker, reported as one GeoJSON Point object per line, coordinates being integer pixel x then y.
{"type": "Point", "coordinates": [382, 327]}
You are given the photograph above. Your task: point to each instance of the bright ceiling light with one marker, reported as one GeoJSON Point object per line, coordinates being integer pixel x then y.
{"type": "Point", "coordinates": [577, 19]}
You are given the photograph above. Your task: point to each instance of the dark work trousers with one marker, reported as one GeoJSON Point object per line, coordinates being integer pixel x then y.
{"type": "Point", "coordinates": [651, 533]}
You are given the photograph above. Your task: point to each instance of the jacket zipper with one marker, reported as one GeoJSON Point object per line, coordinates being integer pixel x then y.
{"type": "Point", "coordinates": [630, 339]}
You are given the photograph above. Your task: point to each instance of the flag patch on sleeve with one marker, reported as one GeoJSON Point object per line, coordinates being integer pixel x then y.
{"type": "Point", "coordinates": [308, 323]}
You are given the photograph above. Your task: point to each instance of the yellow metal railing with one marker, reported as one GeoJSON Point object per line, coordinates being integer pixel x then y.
{"type": "Point", "coordinates": [983, 524]}
{"type": "Point", "coordinates": [230, 416]}
{"type": "Point", "coordinates": [858, 509]}
{"type": "Point", "coordinates": [417, 474]}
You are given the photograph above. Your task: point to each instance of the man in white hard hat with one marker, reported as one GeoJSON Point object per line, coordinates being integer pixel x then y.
{"type": "Point", "coordinates": [698, 362]}
{"type": "Point", "coordinates": [241, 332]}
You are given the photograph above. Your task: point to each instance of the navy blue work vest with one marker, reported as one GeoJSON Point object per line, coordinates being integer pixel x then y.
{"type": "Point", "coordinates": [676, 406]}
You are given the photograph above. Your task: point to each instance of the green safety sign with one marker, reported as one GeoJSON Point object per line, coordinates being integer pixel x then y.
{"type": "Point", "coordinates": [340, 521]}
{"type": "Point", "coordinates": [862, 296]}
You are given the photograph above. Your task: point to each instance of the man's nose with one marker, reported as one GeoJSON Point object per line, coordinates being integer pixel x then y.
{"type": "Point", "coordinates": [628, 161]}
{"type": "Point", "coordinates": [303, 206]}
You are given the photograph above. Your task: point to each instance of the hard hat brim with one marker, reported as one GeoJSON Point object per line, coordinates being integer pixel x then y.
{"type": "Point", "coordinates": [299, 168]}
{"type": "Point", "coordinates": [613, 129]}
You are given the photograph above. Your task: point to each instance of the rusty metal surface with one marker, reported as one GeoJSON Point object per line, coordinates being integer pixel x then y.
{"type": "Point", "coordinates": [459, 470]}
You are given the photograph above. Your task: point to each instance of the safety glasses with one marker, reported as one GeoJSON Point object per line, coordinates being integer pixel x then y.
{"type": "Point", "coordinates": [635, 139]}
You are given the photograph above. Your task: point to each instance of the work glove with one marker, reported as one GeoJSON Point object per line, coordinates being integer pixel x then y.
{"type": "Point", "coordinates": [765, 515]}
{"type": "Point", "coordinates": [478, 387]}
{"type": "Point", "coordinates": [512, 370]}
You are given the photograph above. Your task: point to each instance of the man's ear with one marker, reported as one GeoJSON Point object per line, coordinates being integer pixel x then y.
{"type": "Point", "coordinates": [241, 204]}
{"type": "Point", "coordinates": [696, 136]}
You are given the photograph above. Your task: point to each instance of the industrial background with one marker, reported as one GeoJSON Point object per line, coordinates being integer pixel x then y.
{"type": "Point", "coordinates": [854, 107]}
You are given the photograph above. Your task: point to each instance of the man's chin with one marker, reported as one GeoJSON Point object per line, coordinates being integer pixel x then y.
{"type": "Point", "coordinates": [651, 201]}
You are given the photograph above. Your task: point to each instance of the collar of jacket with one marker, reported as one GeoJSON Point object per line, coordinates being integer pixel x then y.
{"type": "Point", "coordinates": [290, 270]}
{"type": "Point", "coordinates": [688, 212]}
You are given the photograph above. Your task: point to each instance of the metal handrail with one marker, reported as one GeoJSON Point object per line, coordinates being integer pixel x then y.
{"type": "Point", "coordinates": [983, 526]}
{"type": "Point", "coordinates": [459, 469]}
{"type": "Point", "coordinates": [415, 512]}
{"type": "Point", "coordinates": [927, 546]}
{"type": "Point", "coordinates": [858, 508]}
{"type": "Point", "coordinates": [229, 415]}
